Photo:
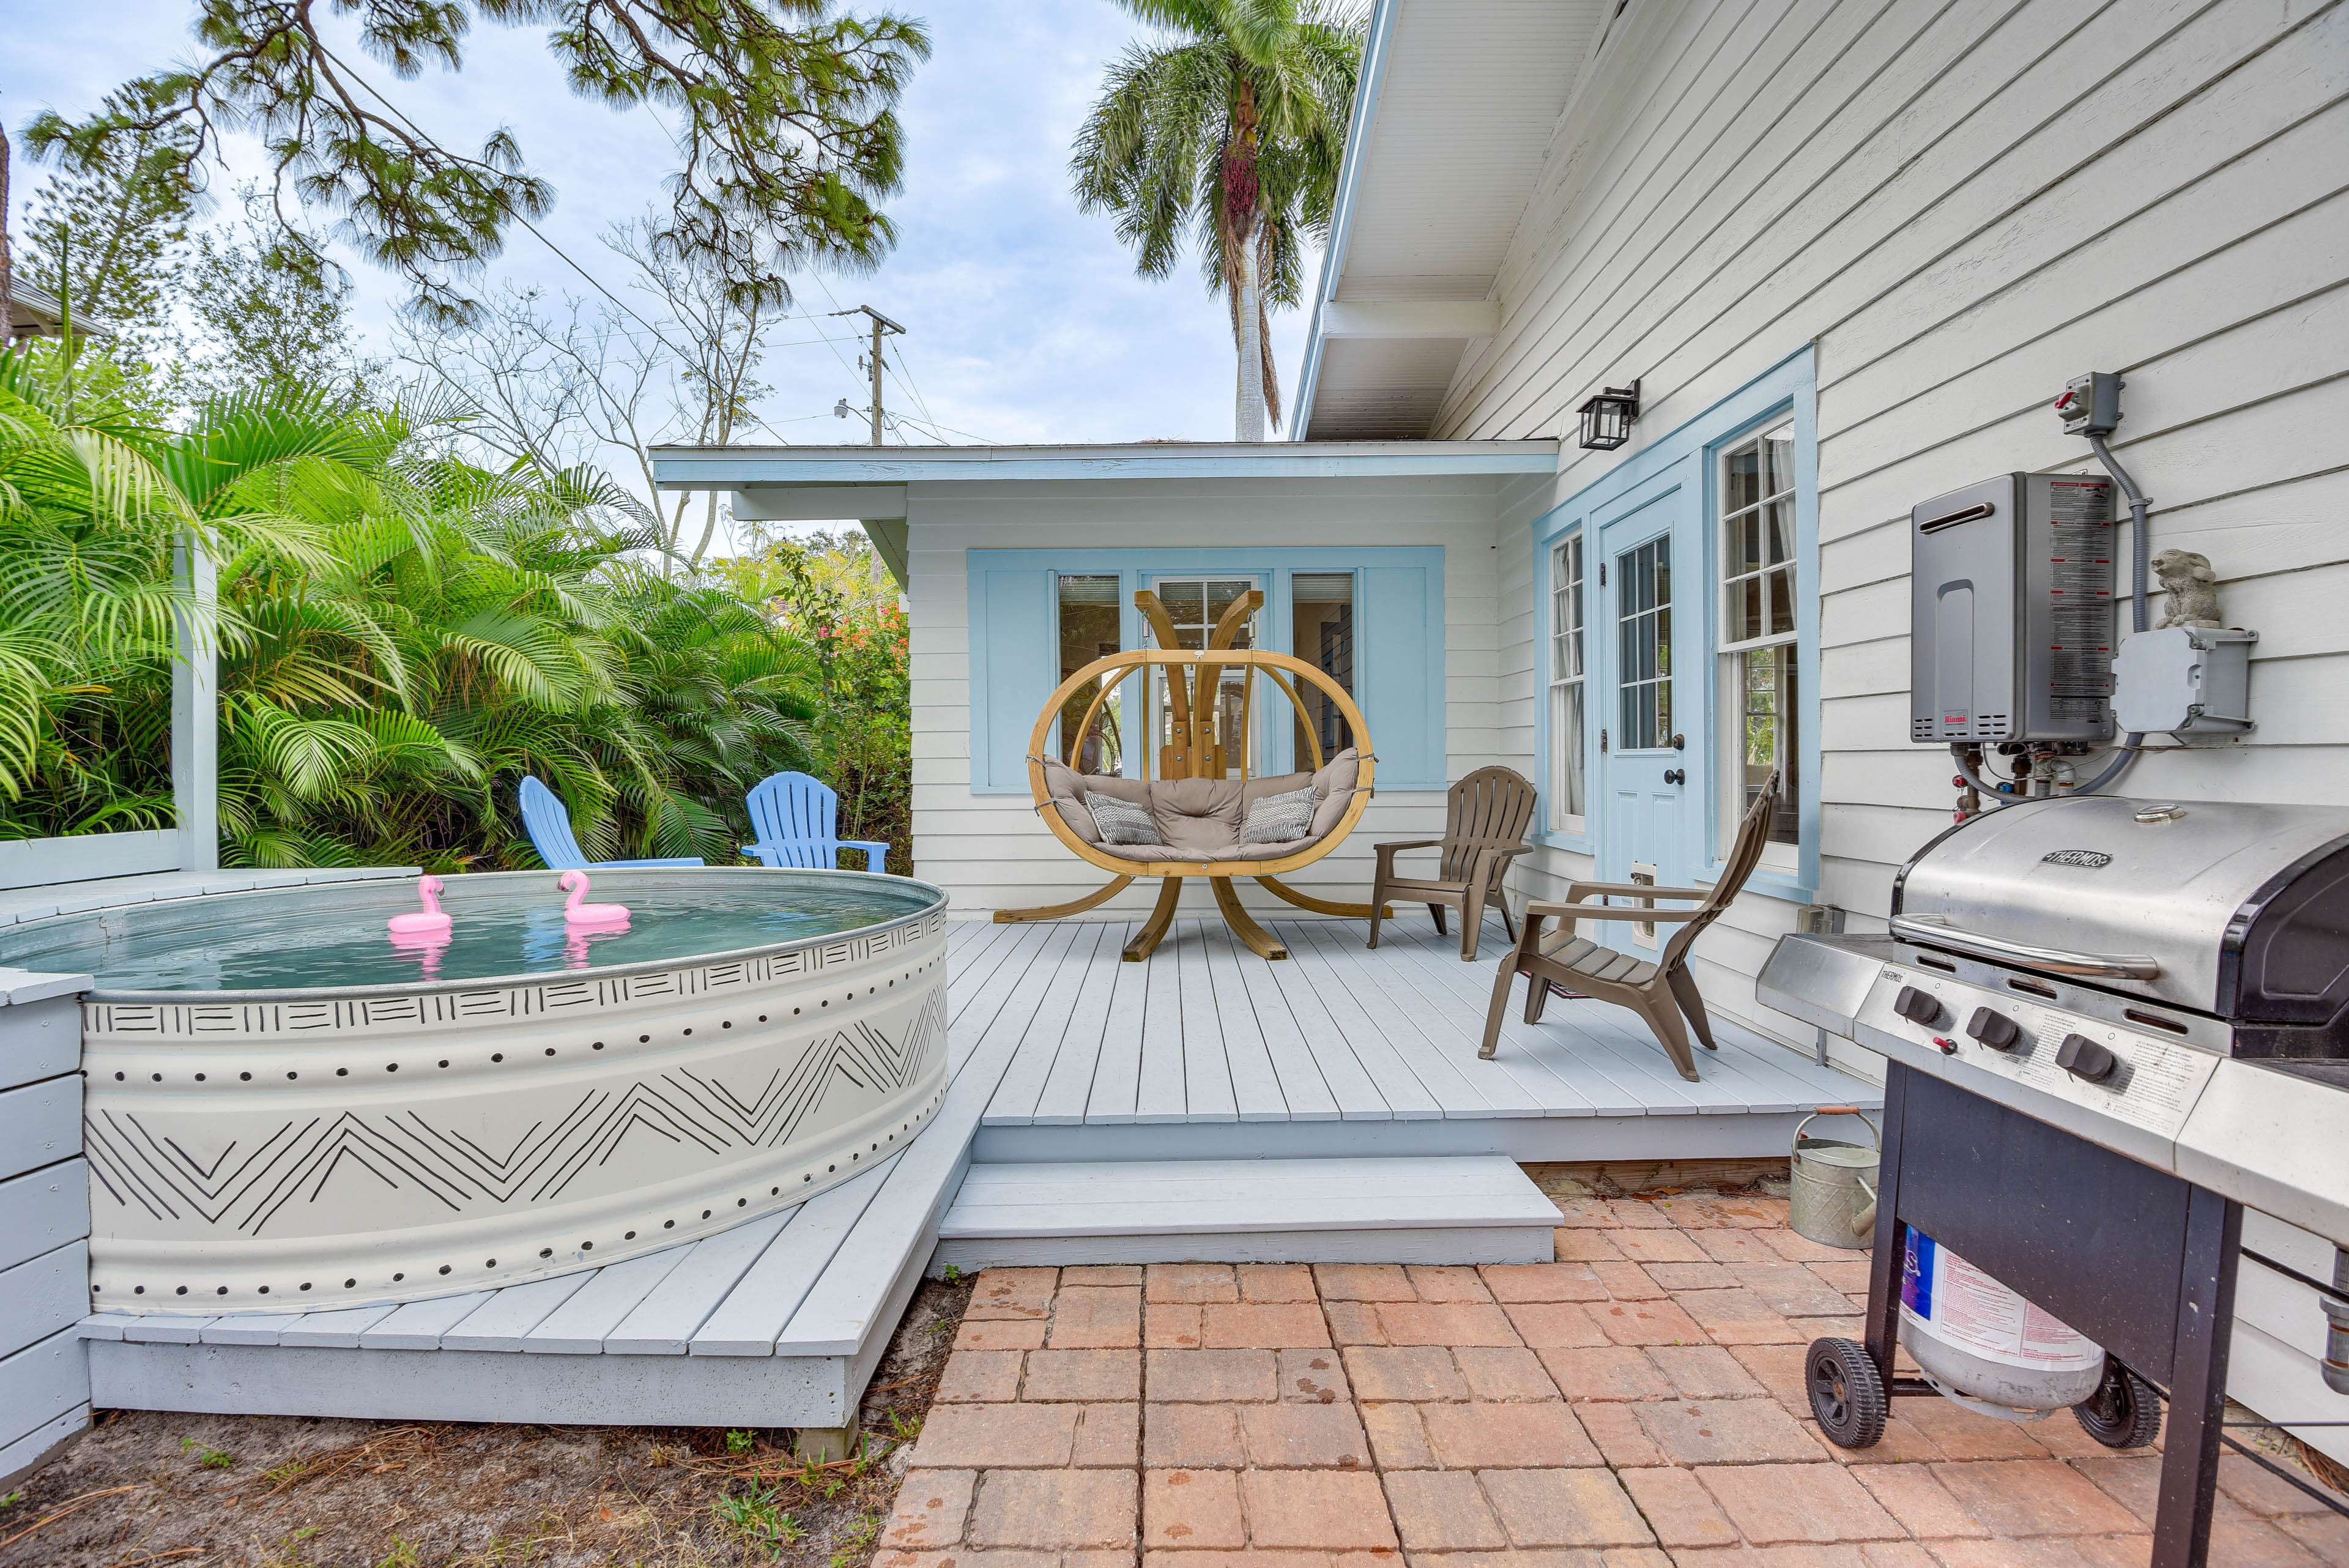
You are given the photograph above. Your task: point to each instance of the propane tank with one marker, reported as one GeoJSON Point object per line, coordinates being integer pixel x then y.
{"type": "Point", "coordinates": [1984, 1345]}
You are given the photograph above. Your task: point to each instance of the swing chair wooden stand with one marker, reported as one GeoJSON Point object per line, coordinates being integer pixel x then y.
{"type": "Point", "coordinates": [1193, 680]}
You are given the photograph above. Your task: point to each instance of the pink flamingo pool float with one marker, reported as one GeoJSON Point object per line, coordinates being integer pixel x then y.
{"type": "Point", "coordinates": [427, 922]}
{"type": "Point", "coordinates": [574, 913]}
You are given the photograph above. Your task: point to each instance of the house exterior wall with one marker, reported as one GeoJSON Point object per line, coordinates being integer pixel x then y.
{"type": "Point", "coordinates": [1960, 207]}
{"type": "Point", "coordinates": [988, 850]}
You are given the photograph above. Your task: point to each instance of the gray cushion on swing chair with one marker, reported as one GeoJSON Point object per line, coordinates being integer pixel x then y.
{"type": "Point", "coordinates": [1202, 819]}
{"type": "Point", "coordinates": [1279, 818]}
{"type": "Point", "coordinates": [1122, 821]}
{"type": "Point", "coordinates": [1067, 788]}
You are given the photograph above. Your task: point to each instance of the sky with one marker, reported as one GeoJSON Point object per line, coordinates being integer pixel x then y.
{"type": "Point", "coordinates": [1024, 320]}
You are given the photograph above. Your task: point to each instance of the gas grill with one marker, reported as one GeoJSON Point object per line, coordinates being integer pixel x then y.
{"type": "Point", "coordinates": [2108, 1025]}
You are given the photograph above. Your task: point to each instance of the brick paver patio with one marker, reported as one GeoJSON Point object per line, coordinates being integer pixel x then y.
{"type": "Point", "coordinates": [1636, 1404]}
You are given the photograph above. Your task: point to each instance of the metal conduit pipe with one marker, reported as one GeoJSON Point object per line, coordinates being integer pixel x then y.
{"type": "Point", "coordinates": [2138, 506]}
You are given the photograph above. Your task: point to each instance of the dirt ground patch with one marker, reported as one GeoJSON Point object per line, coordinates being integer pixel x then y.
{"type": "Point", "coordinates": [179, 1491]}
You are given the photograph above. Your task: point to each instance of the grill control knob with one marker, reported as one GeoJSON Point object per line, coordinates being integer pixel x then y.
{"type": "Point", "coordinates": [1995, 1030]}
{"type": "Point", "coordinates": [1918, 1006]}
{"type": "Point", "coordinates": [2084, 1058]}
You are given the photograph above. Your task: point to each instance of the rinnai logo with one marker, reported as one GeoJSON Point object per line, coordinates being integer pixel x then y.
{"type": "Point", "coordinates": [2091, 858]}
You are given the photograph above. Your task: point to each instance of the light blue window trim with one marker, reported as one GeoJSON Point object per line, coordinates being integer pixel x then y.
{"type": "Point", "coordinates": [1790, 387]}
{"type": "Point", "coordinates": [1398, 647]}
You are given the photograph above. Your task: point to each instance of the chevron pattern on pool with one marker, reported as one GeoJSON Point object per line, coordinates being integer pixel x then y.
{"type": "Point", "coordinates": [241, 1171]}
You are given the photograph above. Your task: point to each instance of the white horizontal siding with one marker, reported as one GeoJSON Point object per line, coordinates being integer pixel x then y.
{"type": "Point", "coordinates": [1960, 207]}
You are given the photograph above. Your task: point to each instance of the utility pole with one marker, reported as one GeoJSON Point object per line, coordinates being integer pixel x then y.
{"type": "Point", "coordinates": [881, 324]}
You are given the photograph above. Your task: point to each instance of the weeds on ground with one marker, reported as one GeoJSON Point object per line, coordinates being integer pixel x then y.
{"type": "Point", "coordinates": [287, 1552]}
{"type": "Point", "coordinates": [211, 1458]}
{"type": "Point", "coordinates": [760, 1518]}
{"type": "Point", "coordinates": [857, 1543]}
{"type": "Point", "coordinates": [678, 1497]}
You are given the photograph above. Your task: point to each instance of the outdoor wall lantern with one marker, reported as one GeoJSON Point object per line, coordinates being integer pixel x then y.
{"type": "Point", "coordinates": [1607, 419]}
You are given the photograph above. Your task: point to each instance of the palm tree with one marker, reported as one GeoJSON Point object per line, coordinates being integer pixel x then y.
{"type": "Point", "coordinates": [1234, 126]}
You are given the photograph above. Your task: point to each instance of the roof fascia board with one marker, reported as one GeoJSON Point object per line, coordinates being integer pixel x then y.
{"type": "Point", "coordinates": [817, 503]}
{"type": "Point", "coordinates": [754, 467]}
{"type": "Point", "coordinates": [1333, 258]}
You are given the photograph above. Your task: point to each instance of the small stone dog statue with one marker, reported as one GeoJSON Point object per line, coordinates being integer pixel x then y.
{"type": "Point", "coordinates": [2191, 588]}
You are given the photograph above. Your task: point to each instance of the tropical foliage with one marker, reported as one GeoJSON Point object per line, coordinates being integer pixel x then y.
{"type": "Point", "coordinates": [1226, 132]}
{"type": "Point", "coordinates": [832, 591]}
{"type": "Point", "coordinates": [401, 635]}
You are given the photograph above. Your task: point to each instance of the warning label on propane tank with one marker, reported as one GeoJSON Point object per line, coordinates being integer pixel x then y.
{"type": "Point", "coordinates": [1956, 1303]}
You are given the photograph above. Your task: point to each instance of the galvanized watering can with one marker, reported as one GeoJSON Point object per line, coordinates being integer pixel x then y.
{"type": "Point", "coordinates": [1833, 1197]}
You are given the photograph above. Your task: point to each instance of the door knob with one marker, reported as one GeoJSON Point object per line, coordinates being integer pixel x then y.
{"type": "Point", "coordinates": [1676, 776]}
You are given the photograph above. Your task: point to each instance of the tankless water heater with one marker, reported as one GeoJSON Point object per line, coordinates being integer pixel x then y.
{"type": "Point", "coordinates": [2010, 626]}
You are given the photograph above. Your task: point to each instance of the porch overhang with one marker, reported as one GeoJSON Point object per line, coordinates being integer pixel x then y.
{"type": "Point", "coordinates": [850, 477]}
{"type": "Point", "coordinates": [1456, 105]}
{"type": "Point", "coordinates": [871, 484]}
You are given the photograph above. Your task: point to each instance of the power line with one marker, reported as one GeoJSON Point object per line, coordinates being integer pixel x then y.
{"type": "Point", "coordinates": [818, 278]}
{"type": "Point", "coordinates": [560, 254]}
{"type": "Point", "coordinates": [983, 441]}
{"type": "Point", "coordinates": [906, 374]}
{"type": "Point", "coordinates": [902, 370]}
{"type": "Point", "coordinates": [877, 363]}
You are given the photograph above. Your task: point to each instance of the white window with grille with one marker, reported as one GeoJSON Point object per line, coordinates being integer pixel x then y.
{"type": "Point", "coordinates": [1567, 783]}
{"type": "Point", "coordinates": [1759, 671]}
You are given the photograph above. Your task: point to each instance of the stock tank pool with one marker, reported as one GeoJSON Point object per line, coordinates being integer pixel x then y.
{"type": "Point", "coordinates": [288, 1108]}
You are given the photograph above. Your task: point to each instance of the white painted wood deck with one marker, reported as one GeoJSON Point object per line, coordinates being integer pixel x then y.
{"type": "Point", "coordinates": [1059, 1052]}
{"type": "Point", "coordinates": [1207, 1051]}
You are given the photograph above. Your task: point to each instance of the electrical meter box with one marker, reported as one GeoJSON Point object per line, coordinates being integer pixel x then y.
{"type": "Point", "coordinates": [2010, 625]}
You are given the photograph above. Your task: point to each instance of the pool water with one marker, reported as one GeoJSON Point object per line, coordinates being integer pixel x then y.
{"type": "Point", "coordinates": [267, 941]}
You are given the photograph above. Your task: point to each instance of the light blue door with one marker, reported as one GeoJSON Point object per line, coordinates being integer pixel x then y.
{"type": "Point", "coordinates": [1647, 629]}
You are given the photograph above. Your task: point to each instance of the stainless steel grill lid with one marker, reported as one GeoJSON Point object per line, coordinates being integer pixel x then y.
{"type": "Point", "coordinates": [2232, 909]}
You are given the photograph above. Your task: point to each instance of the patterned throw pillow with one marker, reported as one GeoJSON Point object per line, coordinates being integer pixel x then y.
{"type": "Point", "coordinates": [1278, 818]}
{"type": "Point", "coordinates": [1122, 821]}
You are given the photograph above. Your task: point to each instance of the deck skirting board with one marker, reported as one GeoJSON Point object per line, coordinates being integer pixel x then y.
{"type": "Point", "coordinates": [37, 1447]}
{"type": "Point", "coordinates": [1465, 1244]}
{"type": "Point", "coordinates": [1538, 1140]}
{"type": "Point", "coordinates": [479, 1385]}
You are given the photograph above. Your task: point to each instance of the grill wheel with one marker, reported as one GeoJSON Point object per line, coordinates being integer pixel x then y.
{"type": "Point", "coordinates": [2123, 1413]}
{"type": "Point", "coordinates": [1846, 1394]}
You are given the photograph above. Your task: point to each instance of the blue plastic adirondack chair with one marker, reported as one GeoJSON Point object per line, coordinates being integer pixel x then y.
{"type": "Point", "coordinates": [549, 827]}
{"type": "Point", "coordinates": [797, 819]}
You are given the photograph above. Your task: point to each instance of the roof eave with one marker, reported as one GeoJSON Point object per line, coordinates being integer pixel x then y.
{"type": "Point", "coordinates": [1333, 258]}
{"type": "Point", "coordinates": [740, 467]}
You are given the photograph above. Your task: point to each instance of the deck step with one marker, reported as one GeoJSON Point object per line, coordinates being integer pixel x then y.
{"type": "Point", "coordinates": [1472, 1209]}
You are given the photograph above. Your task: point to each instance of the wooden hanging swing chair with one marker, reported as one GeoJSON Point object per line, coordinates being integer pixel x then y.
{"type": "Point", "coordinates": [1193, 680]}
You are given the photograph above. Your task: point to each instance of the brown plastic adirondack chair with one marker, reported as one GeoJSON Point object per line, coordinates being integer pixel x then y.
{"type": "Point", "coordinates": [1484, 831]}
{"type": "Point", "coordinates": [1660, 992]}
